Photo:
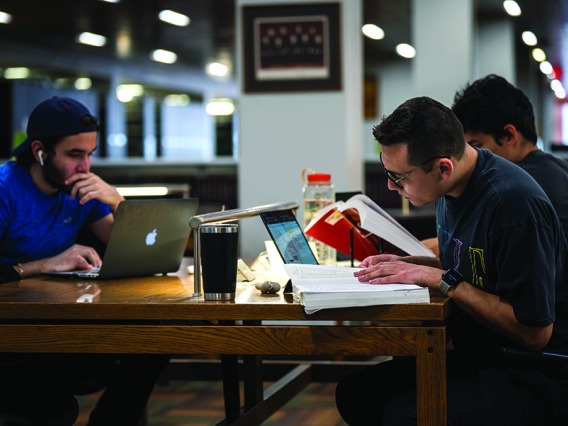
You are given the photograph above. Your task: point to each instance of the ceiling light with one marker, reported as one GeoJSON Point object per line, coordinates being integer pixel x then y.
{"type": "Point", "coordinates": [538, 54]}
{"type": "Point", "coordinates": [558, 89]}
{"type": "Point", "coordinates": [560, 93]}
{"type": "Point", "coordinates": [217, 69]}
{"type": "Point", "coordinates": [163, 56]}
{"type": "Point", "coordinates": [372, 31]}
{"type": "Point", "coordinates": [221, 106]}
{"type": "Point", "coordinates": [16, 73]}
{"type": "Point", "coordinates": [91, 39]}
{"type": "Point", "coordinates": [180, 100]}
{"type": "Point", "coordinates": [127, 92]}
{"type": "Point", "coordinates": [123, 44]}
{"type": "Point", "coordinates": [111, 1]}
{"type": "Point", "coordinates": [529, 38]}
{"type": "Point", "coordinates": [174, 18]}
{"type": "Point", "coordinates": [555, 85]}
{"type": "Point", "coordinates": [61, 82]}
{"type": "Point", "coordinates": [512, 7]}
{"type": "Point", "coordinates": [5, 18]}
{"type": "Point", "coordinates": [406, 50]}
{"type": "Point", "coordinates": [83, 83]}
{"type": "Point", "coordinates": [546, 68]}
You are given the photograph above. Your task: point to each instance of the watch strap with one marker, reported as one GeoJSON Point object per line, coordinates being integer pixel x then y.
{"type": "Point", "coordinates": [444, 287]}
{"type": "Point", "coordinates": [450, 279]}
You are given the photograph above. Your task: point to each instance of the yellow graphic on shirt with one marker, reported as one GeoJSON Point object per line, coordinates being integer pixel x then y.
{"type": "Point", "coordinates": [477, 260]}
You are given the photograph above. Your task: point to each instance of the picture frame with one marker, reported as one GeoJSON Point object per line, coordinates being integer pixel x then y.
{"type": "Point", "coordinates": [291, 47]}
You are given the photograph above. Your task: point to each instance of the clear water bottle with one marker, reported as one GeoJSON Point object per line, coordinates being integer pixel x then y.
{"type": "Point", "coordinates": [318, 193]}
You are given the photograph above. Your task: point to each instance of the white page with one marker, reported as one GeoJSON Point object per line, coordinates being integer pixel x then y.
{"type": "Point", "coordinates": [324, 278]}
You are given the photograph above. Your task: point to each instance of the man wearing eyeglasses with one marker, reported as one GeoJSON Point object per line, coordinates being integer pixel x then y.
{"type": "Point", "coordinates": [503, 260]}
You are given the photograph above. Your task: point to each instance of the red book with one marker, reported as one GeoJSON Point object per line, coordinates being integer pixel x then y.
{"type": "Point", "coordinates": [360, 225]}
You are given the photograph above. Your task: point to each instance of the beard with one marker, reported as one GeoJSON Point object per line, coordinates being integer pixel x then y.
{"type": "Point", "coordinates": [54, 176]}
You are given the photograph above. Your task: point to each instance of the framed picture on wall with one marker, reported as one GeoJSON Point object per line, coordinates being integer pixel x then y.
{"type": "Point", "coordinates": [291, 47]}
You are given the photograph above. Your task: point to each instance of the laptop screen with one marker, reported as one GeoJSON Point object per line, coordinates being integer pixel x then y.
{"type": "Point", "coordinates": [288, 237]}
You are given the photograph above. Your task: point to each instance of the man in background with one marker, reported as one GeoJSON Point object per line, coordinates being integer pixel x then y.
{"type": "Point", "coordinates": [497, 116]}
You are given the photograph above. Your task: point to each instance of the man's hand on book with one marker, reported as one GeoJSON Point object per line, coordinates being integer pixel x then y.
{"type": "Point", "coordinates": [382, 271]}
{"type": "Point", "coordinates": [375, 260]}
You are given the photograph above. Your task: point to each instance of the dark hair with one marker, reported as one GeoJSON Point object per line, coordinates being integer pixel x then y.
{"type": "Point", "coordinates": [429, 129]}
{"type": "Point", "coordinates": [26, 159]}
{"type": "Point", "coordinates": [487, 105]}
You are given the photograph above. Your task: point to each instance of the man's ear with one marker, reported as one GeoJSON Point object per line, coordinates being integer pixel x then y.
{"type": "Point", "coordinates": [38, 151]}
{"type": "Point", "coordinates": [446, 167]}
{"type": "Point", "coordinates": [510, 135]}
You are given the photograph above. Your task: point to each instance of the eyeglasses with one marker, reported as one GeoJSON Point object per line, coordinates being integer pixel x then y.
{"type": "Point", "coordinates": [395, 178]}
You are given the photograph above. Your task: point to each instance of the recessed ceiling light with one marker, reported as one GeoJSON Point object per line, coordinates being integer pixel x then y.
{"type": "Point", "coordinates": [83, 83]}
{"type": "Point", "coordinates": [512, 7]}
{"type": "Point", "coordinates": [177, 100]}
{"type": "Point", "coordinates": [406, 50]}
{"type": "Point", "coordinates": [546, 68]}
{"type": "Point", "coordinates": [555, 85]}
{"type": "Point", "coordinates": [163, 56]}
{"type": "Point", "coordinates": [91, 39]}
{"type": "Point", "coordinates": [5, 18]}
{"type": "Point", "coordinates": [123, 43]}
{"type": "Point", "coordinates": [372, 31]}
{"type": "Point", "coordinates": [221, 106]}
{"type": "Point", "coordinates": [538, 54]}
{"type": "Point", "coordinates": [529, 38]}
{"type": "Point", "coordinates": [217, 69]}
{"type": "Point", "coordinates": [174, 18]}
{"type": "Point", "coordinates": [16, 73]}
{"type": "Point", "coordinates": [560, 93]}
{"type": "Point", "coordinates": [127, 92]}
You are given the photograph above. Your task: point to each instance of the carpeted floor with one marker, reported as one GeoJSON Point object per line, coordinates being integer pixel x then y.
{"type": "Point", "coordinates": [200, 403]}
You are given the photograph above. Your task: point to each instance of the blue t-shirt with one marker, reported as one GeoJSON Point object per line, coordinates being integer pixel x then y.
{"type": "Point", "coordinates": [503, 235]}
{"type": "Point", "coordinates": [34, 225]}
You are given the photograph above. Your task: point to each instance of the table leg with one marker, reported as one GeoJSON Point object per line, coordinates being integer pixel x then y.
{"type": "Point", "coordinates": [231, 388]}
{"type": "Point", "coordinates": [431, 377]}
{"type": "Point", "coordinates": [253, 382]}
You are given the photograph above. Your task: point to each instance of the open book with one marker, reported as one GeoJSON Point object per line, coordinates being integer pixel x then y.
{"type": "Point", "coordinates": [360, 225]}
{"type": "Point", "coordinates": [323, 287]}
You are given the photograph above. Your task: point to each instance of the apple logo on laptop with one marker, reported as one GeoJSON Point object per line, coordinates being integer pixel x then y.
{"type": "Point", "coordinates": [151, 238]}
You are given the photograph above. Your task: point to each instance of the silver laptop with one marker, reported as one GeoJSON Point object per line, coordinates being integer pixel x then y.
{"type": "Point", "coordinates": [148, 237]}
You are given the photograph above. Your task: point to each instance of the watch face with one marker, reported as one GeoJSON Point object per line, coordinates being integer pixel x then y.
{"type": "Point", "coordinates": [452, 277]}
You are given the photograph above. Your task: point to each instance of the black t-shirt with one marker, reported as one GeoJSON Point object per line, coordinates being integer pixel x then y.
{"type": "Point", "coordinates": [503, 235]}
{"type": "Point", "coordinates": [551, 173]}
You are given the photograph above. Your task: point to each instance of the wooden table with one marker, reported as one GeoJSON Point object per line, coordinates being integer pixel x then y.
{"type": "Point", "coordinates": [158, 315]}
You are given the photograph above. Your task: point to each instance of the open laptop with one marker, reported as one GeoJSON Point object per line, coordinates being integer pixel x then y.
{"type": "Point", "coordinates": [148, 237]}
{"type": "Point", "coordinates": [288, 237]}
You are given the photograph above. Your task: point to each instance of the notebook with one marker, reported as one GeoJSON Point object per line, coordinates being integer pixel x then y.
{"type": "Point", "coordinates": [288, 237]}
{"type": "Point", "coordinates": [148, 237]}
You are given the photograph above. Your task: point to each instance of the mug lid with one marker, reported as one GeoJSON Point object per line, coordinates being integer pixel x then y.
{"type": "Point", "coordinates": [219, 228]}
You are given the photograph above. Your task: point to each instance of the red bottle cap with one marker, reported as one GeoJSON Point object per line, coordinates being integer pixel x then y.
{"type": "Point", "coordinates": [319, 177]}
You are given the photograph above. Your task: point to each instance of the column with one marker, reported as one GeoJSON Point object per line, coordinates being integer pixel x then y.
{"type": "Point", "coordinates": [282, 133]}
{"type": "Point", "coordinates": [442, 33]}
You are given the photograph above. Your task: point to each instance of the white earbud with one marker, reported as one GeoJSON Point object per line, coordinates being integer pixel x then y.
{"type": "Point", "coordinates": [40, 155]}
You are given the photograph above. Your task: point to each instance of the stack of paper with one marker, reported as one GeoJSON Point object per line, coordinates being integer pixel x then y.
{"type": "Point", "coordinates": [322, 287]}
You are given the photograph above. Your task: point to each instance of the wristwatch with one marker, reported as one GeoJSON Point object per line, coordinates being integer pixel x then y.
{"type": "Point", "coordinates": [450, 279]}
